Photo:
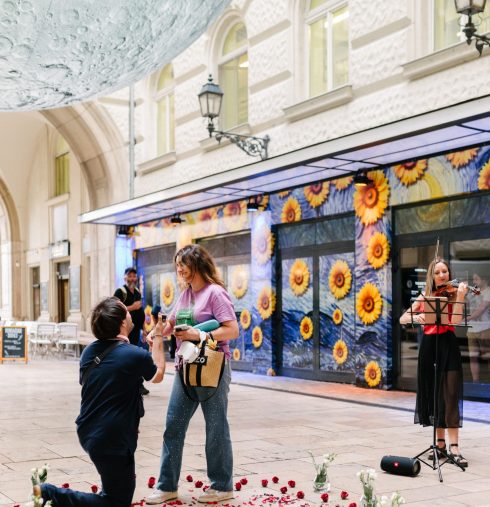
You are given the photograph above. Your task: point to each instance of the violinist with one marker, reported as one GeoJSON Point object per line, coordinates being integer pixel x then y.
{"type": "Point", "coordinates": [449, 382]}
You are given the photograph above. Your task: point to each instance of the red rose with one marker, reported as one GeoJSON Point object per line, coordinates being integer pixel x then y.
{"type": "Point", "coordinates": [324, 497]}
{"type": "Point", "coordinates": [198, 484]}
{"type": "Point", "coordinates": [300, 495]}
{"type": "Point", "coordinates": [65, 485]}
{"type": "Point", "coordinates": [353, 504]}
{"type": "Point", "coordinates": [151, 482]}
{"type": "Point", "coordinates": [205, 488]}
{"type": "Point", "coordinates": [243, 481]}
{"type": "Point", "coordinates": [189, 478]}
{"type": "Point", "coordinates": [94, 488]}
{"type": "Point", "coordinates": [292, 484]}
{"type": "Point", "coordinates": [275, 479]}
{"type": "Point", "coordinates": [284, 490]}
{"type": "Point", "coordinates": [264, 483]}
{"type": "Point", "coordinates": [344, 495]}
{"type": "Point", "coordinates": [238, 486]}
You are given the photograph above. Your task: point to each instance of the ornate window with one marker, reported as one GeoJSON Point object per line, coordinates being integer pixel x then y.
{"type": "Point", "coordinates": [164, 97]}
{"type": "Point", "coordinates": [233, 77]}
{"type": "Point", "coordinates": [61, 168]}
{"type": "Point", "coordinates": [327, 43]}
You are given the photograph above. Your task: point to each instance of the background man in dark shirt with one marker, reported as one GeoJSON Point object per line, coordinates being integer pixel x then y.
{"type": "Point", "coordinates": [131, 297]}
{"type": "Point", "coordinates": [111, 406]}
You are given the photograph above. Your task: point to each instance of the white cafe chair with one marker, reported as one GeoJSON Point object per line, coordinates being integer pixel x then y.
{"type": "Point", "coordinates": [44, 339]}
{"type": "Point", "coordinates": [68, 338]}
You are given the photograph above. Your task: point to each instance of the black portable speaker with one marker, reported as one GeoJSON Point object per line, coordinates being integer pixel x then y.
{"type": "Point", "coordinates": [399, 465]}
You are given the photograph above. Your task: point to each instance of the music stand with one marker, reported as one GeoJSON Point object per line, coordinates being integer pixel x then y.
{"type": "Point", "coordinates": [435, 312]}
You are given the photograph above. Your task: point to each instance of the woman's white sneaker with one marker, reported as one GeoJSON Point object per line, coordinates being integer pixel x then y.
{"type": "Point", "coordinates": [213, 495]}
{"type": "Point", "coordinates": [159, 496]}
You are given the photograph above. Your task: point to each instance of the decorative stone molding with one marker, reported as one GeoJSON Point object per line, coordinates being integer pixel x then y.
{"type": "Point", "coordinates": [157, 163]}
{"type": "Point", "coordinates": [318, 104]}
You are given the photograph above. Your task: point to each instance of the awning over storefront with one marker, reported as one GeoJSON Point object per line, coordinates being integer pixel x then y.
{"type": "Point", "coordinates": [449, 129]}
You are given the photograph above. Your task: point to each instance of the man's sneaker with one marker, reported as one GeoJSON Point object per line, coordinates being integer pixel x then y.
{"type": "Point", "coordinates": [159, 496]}
{"type": "Point", "coordinates": [213, 495]}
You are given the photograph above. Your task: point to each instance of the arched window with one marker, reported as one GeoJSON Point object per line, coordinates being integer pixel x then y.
{"type": "Point", "coordinates": [165, 111]}
{"type": "Point", "coordinates": [233, 77]}
{"type": "Point", "coordinates": [327, 42]}
{"type": "Point", "coordinates": [61, 167]}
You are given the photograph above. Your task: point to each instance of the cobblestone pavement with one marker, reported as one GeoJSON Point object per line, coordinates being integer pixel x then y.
{"type": "Point", "coordinates": [274, 422]}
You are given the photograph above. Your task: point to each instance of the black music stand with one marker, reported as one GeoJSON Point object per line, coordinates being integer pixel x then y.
{"type": "Point", "coordinates": [435, 312]}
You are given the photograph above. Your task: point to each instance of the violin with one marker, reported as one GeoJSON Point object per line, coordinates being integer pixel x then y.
{"type": "Point", "coordinates": [450, 288]}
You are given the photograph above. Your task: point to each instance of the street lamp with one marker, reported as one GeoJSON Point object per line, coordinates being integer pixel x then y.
{"type": "Point", "coordinates": [470, 8]}
{"type": "Point", "coordinates": [210, 98]}
{"type": "Point", "coordinates": [362, 180]}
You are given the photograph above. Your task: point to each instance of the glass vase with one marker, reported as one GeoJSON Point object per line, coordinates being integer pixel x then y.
{"type": "Point", "coordinates": [367, 502]}
{"type": "Point", "coordinates": [321, 483]}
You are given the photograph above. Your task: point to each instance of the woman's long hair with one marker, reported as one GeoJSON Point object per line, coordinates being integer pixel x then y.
{"type": "Point", "coordinates": [199, 260]}
{"type": "Point", "coordinates": [430, 285]}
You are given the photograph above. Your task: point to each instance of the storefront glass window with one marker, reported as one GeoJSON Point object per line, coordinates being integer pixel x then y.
{"type": "Point", "coordinates": [470, 211]}
{"type": "Point", "coordinates": [428, 217]}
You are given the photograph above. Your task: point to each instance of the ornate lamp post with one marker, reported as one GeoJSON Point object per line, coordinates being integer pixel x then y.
{"type": "Point", "coordinates": [470, 8]}
{"type": "Point", "coordinates": [210, 98]}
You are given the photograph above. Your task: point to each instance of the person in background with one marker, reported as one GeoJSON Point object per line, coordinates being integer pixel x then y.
{"type": "Point", "coordinates": [449, 382]}
{"type": "Point", "coordinates": [111, 407]}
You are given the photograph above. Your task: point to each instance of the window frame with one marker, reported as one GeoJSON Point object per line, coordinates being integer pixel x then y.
{"type": "Point", "coordinates": [160, 95]}
{"type": "Point", "coordinates": [309, 17]}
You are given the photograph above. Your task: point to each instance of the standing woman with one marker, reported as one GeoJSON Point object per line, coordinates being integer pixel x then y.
{"type": "Point", "coordinates": [449, 384]}
{"type": "Point", "coordinates": [204, 298]}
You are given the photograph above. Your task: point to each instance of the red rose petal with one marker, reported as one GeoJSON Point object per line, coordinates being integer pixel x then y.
{"type": "Point", "coordinates": [275, 479]}
{"type": "Point", "coordinates": [300, 495]}
{"type": "Point", "coordinates": [151, 482]}
{"type": "Point", "coordinates": [189, 478]}
{"type": "Point", "coordinates": [65, 485]}
{"type": "Point", "coordinates": [344, 495]}
{"type": "Point", "coordinates": [353, 504]}
{"type": "Point", "coordinates": [284, 490]}
{"type": "Point", "coordinates": [324, 497]}
{"type": "Point", "coordinates": [244, 481]}
{"type": "Point", "coordinates": [94, 488]}
{"type": "Point", "coordinates": [198, 484]}
{"type": "Point", "coordinates": [291, 484]}
{"type": "Point", "coordinates": [264, 483]}
{"type": "Point", "coordinates": [238, 486]}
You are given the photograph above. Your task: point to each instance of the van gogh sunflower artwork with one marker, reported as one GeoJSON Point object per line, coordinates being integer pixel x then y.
{"type": "Point", "coordinates": [369, 303]}
{"type": "Point", "coordinates": [337, 316]}
{"type": "Point", "coordinates": [299, 277]}
{"type": "Point", "coordinates": [340, 352]}
{"type": "Point", "coordinates": [306, 328]}
{"type": "Point", "coordinates": [168, 291]}
{"type": "Point", "coordinates": [340, 279]}
{"type": "Point", "coordinates": [239, 280]}
{"type": "Point", "coordinates": [370, 202]}
{"type": "Point", "coordinates": [235, 215]}
{"type": "Point", "coordinates": [263, 244]}
{"type": "Point", "coordinates": [459, 159]}
{"type": "Point", "coordinates": [378, 250]}
{"type": "Point", "coordinates": [410, 172]}
{"type": "Point", "coordinates": [484, 178]}
{"type": "Point", "coordinates": [372, 374]}
{"type": "Point", "coordinates": [207, 222]}
{"type": "Point", "coordinates": [236, 354]}
{"type": "Point", "coordinates": [291, 211]}
{"type": "Point", "coordinates": [245, 319]}
{"type": "Point", "coordinates": [317, 193]}
{"type": "Point", "coordinates": [257, 337]}
{"type": "Point", "coordinates": [343, 183]}
{"type": "Point", "coordinates": [266, 302]}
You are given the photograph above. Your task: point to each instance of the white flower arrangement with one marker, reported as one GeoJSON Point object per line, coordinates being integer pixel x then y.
{"type": "Point", "coordinates": [38, 477]}
{"type": "Point", "coordinates": [321, 479]}
{"type": "Point", "coordinates": [369, 499]}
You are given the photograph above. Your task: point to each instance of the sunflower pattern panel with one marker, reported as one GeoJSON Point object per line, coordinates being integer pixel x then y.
{"type": "Point", "coordinates": [337, 315]}
{"type": "Point", "coordinates": [297, 309]}
{"type": "Point", "coordinates": [169, 291]}
{"type": "Point", "coordinates": [238, 276]}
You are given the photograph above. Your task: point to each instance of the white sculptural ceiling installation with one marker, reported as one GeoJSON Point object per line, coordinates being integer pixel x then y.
{"type": "Point", "coordinates": [57, 52]}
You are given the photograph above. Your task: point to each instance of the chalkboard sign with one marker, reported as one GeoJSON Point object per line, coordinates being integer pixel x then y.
{"type": "Point", "coordinates": [74, 287]}
{"type": "Point", "coordinates": [14, 343]}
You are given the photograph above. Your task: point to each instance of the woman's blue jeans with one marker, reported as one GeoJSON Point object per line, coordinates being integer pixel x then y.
{"type": "Point", "coordinates": [219, 454]}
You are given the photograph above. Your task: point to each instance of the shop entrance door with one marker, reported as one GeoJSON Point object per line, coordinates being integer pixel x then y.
{"type": "Point", "coordinates": [316, 317]}
{"type": "Point", "coordinates": [63, 290]}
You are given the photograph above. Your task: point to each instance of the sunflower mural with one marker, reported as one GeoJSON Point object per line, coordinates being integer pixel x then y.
{"type": "Point", "coordinates": [343, 183]}
{"type": "Point", "coordinates": [306, 328]}
{"type": "Point", "coordinates": [459, 159]}
{"type": "Point", "coordinates": [147, 324]}
{"type": "Point", "coordinates": [340, 352]}
{"type": "Point", "coordinates": [410, 172]}
{"type": "Point", "coordinates": [207, 222]}
{"type": "Point", "coordinates": [369, 303]}
{"type": "Point", "coordinates": [236, 354]}
{"type": "Point", "coordinates": [337, 316]}
{"type": "Point", "coordinates": [257, 337]}
{"type": "Point", "coordinates": [263, 244]}
{"type": "Point", "coordinates": [167, 291]}
{"type": "Point", "coordinates": [284, 194]}
{"type": "Point", "coordinates": [299, 277]}
{"type": "Point", "coordinates": [317, 193]}
{"type": "Point", "coordinates": [372, 374]}
{"type": "Point", "coordinates": [263, 201]}
{"type": "Point", "coordinates": [340, 279]}
{"type": "Point", "coordinates": [245, 319]}
{"type": "Point", "coordinates": [266, 302]}
{"type": "Point", "coordinates": [235, 216]}
{"type": "Point", "coordinates": [291, 211]}
{"type": "Point", "coordinates": [371, 201]}
{"type": "Point", "coordinates": [239, 280]}
{"type": "Point", "coordinates": [378, 250]}
{"type": "Point", "coordinates": [484, 177]}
